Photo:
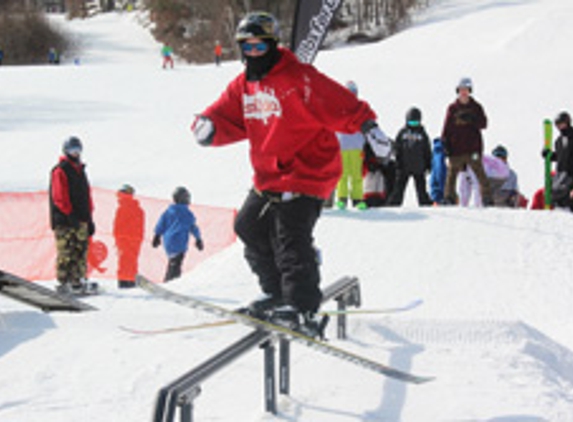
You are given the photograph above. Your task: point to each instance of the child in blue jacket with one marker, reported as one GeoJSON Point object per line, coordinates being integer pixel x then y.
{"type": "Point", "coordinates": [175, 225]}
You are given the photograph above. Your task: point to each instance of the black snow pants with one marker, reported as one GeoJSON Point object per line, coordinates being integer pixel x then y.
{"type": "Point", "coordinates": [397, 196]}
{"type": "Point", "coordinates": [279, 247]}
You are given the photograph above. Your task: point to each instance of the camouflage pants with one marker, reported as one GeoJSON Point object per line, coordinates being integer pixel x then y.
{"type": "Point", "coordinates": [72, 248]}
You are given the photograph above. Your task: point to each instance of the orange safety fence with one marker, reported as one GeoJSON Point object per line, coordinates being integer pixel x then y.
{"type": "Point", "coordinates": [28, 248]}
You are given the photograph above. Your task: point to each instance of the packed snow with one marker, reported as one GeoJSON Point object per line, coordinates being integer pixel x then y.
{"type": "Point", "coordinates": [495, 324]}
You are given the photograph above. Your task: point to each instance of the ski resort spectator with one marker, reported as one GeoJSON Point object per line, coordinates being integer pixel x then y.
{"type": "Point", "coordinates": [128, 230]}
{"type": "Point", "coordinates": [496, 171]}
{"type": "Point", "coordinates": [562, 155]}
{"type": "Point", "coordinates": [71, 209]}
{"type": "Point", "coordinates": [438, 172]}
{"type": "Point", "coordinates": [507, 195]}
{"type": "Point", "coordinates": [167, 54]}
{"type": "Point", "coordinates": [350, 183]}
{"type": "Point", "coordinates": [413, 159]}
{"type": "Point", "coordinates": [218, 53]}
{"type": "Point", "coordinates": [289, 112]}
{"type": "Point", "coordinates": [174, 226]}
{"type": "Point", "coordinates": [379, 176]}
{"type": "Point", "coordinates": [461, 135]}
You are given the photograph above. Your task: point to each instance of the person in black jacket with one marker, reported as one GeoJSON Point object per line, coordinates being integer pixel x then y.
{"type": "Point", "coordinates": [413, 158]}
{"type": "Point", "coordinates": [563, 156]}
{"type": "Point", "coordinates": [71, 218]}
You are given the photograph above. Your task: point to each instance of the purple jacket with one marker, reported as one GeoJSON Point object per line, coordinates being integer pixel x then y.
{"type": "Point", "coordinates": [462, 128]}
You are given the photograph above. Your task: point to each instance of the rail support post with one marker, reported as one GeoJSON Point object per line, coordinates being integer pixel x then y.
{"type": "Point", "coordinates": [270, 391]}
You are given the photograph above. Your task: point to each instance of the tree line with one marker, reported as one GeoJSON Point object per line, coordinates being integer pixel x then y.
{"type": "Point", "coordinates": [192, 27]}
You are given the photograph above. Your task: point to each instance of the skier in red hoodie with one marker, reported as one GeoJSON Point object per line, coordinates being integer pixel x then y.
{"type": "Point", "coordinates": [289, 112]}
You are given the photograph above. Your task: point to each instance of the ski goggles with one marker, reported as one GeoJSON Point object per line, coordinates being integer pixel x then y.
{"type": "Point", "coordinates": [413, 123]}
{"type": "Point", "coordinates": [260, 47]}
{"type": "Point", "coordinates": [73, 151]}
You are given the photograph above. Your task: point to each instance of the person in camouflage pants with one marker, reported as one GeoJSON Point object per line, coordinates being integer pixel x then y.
{"type": "Point", "coordinates": [72, 248]}
{"type": "Point", "coordinates": [71, 209]}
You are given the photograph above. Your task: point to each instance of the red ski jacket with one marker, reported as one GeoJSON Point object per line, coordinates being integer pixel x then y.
{"type": "Point", "coordinates": [289, 118]}
{"type": "Point", "coordinates": [70, 193]}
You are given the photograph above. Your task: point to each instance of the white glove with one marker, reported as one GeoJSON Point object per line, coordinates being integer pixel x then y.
{"type": "Point", "coordinates": [204, 130]}
{"type": "Point", "coordinates": [378, 140]}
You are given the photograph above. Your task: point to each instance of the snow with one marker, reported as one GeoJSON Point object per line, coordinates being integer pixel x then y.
{"type": "Point", "coordinates": [495, 326]}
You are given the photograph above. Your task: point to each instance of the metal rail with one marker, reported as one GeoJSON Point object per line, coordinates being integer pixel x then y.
{"type": "Point", "coordinates": [183, 391]}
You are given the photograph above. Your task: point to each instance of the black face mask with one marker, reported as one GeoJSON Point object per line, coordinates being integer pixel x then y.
{"type": "Point", "coordinates": [258, 67]}
{"type": "Point", "coordinates": [73, 158]}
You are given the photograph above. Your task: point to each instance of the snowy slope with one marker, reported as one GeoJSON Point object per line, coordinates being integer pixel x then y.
{"type": "Point", "coordinates": [496, 320]}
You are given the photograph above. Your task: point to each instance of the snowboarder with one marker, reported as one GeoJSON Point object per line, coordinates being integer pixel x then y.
{"type": "Point", "coordinates": [413, 158]}
{"type": "Point", "coordinates": [174, 226]}
{"type": "Point", "coordinates": [128, 230]}
{"type": "Point", "coordinates": [71, 209]}
{"type": "Point", "coordinates": [461, 135]}
{"type": "Point", "coordinates": [289, 112]}
{"type": "Point", "coordinates": [562, 185]}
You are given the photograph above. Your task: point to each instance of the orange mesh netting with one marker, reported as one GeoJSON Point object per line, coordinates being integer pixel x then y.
{"type": "Point", "coordinates": [27, 244]}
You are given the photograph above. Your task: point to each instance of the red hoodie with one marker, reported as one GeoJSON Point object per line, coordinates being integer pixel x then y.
{"type": "Point", "coordinates": [289, 118]}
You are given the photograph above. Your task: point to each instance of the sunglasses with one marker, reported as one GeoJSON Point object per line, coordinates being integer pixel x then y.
{"type": "Point", "coordinates": [261, 47]}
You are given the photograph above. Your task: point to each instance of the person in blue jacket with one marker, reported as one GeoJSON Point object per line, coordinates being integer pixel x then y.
{"type": "Point", "coordinates": [438, 172]}
{"type": "Point", "coordinates": [175, 225]}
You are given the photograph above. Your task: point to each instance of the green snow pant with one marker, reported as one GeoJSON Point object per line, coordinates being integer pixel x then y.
{"type": "Point", "coordinates": [351, 176]}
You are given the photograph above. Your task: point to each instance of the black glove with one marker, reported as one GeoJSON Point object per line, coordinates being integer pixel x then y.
{"type": "Point", "coordinates": [199, 244]}
{"type": "Point", "coordinates": [73, 221]}
{"type": "Point", "coordinates": [545, 152]}
{"type": "Point", "coordinates": [91, 228]}
{"type": "Point", "coordinates": [156, 241]}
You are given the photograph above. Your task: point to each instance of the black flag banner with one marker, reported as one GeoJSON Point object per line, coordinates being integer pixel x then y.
{"type": "Point", "coordinates": [311, 21]}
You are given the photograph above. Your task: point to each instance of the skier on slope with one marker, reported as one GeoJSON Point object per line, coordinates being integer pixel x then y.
{"type": "Point", "coordinates": [289, 112]}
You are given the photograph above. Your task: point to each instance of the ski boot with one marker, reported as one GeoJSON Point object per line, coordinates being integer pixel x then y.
{"type": "Point", "coordinates": [261, 308]}
{"type": "Point", "coordinates": [71, 289]}
{"type": "Point", "coordinates": [89, 287]}
{"type": "Point", "coordinates": [306, 323]}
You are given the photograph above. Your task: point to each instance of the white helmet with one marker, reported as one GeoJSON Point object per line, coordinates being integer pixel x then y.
{"type": "Point", "coordinates": [465, 83]}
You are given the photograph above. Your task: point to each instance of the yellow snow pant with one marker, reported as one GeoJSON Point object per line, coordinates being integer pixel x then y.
{"type": "Point", "coordinates": [350, 183]}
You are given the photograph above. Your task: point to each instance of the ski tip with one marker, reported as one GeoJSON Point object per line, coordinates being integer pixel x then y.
{"type": "Point", "coordinates": [423, 380]}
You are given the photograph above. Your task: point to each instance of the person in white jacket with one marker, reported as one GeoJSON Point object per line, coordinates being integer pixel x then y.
{"type": "Point", "coordinates": [497, 172]}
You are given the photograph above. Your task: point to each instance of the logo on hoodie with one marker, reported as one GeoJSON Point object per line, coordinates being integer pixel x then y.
{"type": "Point", "coordinates": [261, 106]}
